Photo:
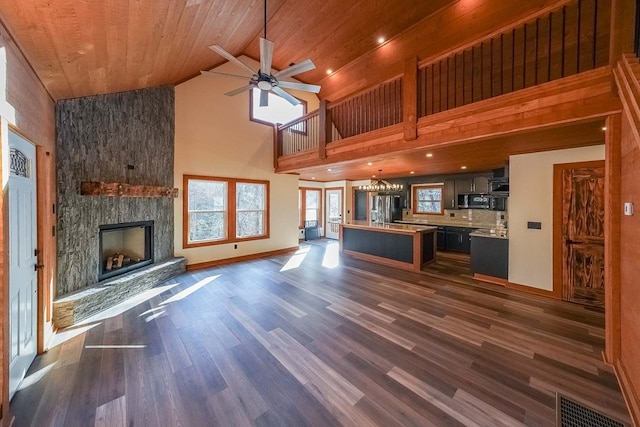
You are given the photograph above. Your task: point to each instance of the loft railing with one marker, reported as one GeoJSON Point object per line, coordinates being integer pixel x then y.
{"type": "Point", "coordinates": [299, 135]}
{"type": "Point", "coordinates": [569, 40]}
{"type": "Point", "coordinates": [375, 109]}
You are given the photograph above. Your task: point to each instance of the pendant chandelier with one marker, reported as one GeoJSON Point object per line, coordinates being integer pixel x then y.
{"type": "Point", "coordinates": [379, 185]}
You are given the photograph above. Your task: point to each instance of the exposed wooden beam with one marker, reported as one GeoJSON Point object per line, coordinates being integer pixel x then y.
{"type": "Point", "coordinates": [410, 99]}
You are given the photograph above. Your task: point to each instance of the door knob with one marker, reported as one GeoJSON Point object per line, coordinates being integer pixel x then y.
{"type": "Point", "coordinates": [38, 267]}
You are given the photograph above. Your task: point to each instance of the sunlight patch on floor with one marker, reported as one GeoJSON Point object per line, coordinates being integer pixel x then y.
{"type": "Point", "coordinates": [296, 259]}
{"type": "Point", "coordinates": [191, 289]}
{"type": "Point", "coordinates": [31, 379]}
{"type": "Point", "coordinates": [63, 335]}
{"type": "Point", "coordinates": [331, 258]}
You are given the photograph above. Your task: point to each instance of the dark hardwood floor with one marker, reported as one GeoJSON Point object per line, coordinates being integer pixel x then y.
{"type": "Point", "coordinates": [288, 341]}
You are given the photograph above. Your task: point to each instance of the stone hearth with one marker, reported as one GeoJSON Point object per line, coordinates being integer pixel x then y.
{"type": "Point", "coordinates": [90, 300]}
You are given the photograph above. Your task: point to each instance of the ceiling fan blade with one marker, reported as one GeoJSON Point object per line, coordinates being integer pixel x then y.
{"type": "Point", "coordinates": [220, 51]}
{"type": "Point", "coordinates": [264, 98]}
{"type": "Point", "coordinates": [298, 68]}
{"type": "Point", "coordinates": [240, 90]}
{"type": "Point", "coordinates": [300, 86]}
{"type": "Point", "coordinates": [216, 73]}
{"type": "Point", "coordinates": [266, 56]}
{"type": "Point", "coordinates": [280, 92]}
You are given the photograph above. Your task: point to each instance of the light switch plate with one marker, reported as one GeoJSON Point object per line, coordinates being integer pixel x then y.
{"type": "Point", "coordinates": [628, 208]}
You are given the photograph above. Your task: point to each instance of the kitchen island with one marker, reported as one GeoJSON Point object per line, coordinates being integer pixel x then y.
{"type": "Point", "coordinates": [410, 247]}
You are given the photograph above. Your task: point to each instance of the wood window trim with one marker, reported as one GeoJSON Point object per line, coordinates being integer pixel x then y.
{"type": "Point", "coordinates": [414, 198]}
{"type": "Point", "coordinates": [231, 213]}
{"type": "Point", "coordinates": [303, 205]}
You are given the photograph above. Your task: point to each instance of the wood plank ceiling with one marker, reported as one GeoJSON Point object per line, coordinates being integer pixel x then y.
{"type": "Point", "coordinates": [81, 48]}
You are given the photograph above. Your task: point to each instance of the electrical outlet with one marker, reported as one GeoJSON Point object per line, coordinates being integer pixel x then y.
{"type": "Point", "coordinates": [235, 246]}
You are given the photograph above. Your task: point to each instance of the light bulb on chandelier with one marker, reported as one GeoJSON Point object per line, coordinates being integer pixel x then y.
{"type": "Point", "coordinates": [379, 185]}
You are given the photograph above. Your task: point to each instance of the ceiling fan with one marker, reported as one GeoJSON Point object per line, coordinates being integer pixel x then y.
{"type": "Point", "coordinates": [263, 78]}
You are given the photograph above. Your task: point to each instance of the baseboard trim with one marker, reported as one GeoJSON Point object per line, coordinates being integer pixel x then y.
{"type": "Point", "coordinates": [224, 261]}
{"type": "Point", "coordinates": [516, 287]}
{"type": "Point", "coordinates": [491, 279]}
{"type": "Point", "coordinates": [631, 398]}
{"type": "Point", "coordinates": [529, 289]}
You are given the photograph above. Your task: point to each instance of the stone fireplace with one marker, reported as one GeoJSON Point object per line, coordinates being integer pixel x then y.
{"type": "Point", "coordinates": [124, 138]}
{"type": "Point", "coordinates": [124, 247]}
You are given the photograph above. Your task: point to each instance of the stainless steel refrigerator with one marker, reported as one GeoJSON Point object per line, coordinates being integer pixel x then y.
{"type": "Point", "coordinates": [385, 208]}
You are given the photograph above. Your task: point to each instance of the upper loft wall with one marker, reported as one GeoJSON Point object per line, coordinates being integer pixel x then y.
{"type": "Point", "coordinates": [27, 105]}
{"type": "Point", "coordinates": [453, 27]}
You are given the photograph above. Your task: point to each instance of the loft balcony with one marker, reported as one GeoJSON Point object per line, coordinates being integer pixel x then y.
{"type": "Point", "coordinates": [506, 94]}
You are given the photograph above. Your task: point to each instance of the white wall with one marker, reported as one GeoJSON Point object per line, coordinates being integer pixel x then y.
{"type": "Point", "coordinates": [214, 137]}
{"type": "Point", "coordinates": [531, 199]}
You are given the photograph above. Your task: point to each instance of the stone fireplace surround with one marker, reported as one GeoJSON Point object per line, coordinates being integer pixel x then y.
{"type": "Point", "coordinates": [125, 137]}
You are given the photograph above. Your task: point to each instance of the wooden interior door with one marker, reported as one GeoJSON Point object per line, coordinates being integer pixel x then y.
{"type": "Point", "coordinates": [583, 235]}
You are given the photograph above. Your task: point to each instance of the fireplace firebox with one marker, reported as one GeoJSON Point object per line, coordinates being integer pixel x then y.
{"type": "Point", "coordinates": [125, 247]}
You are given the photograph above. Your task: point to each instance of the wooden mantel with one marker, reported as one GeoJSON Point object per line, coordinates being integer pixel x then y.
{"type": "Point", "coordinates": [117, 189]}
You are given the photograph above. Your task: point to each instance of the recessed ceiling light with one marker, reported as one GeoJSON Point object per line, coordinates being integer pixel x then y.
{"type": "Point", "coordinates": [429, 155]}
{"type": "Point", "coordinates": [369, 164]}
{"type": "Point", "coordinates": [381, 40]}
{"type": "Point", "coordinates": [313, 177]}
{"type": "Point", "coordinates": [329, 170]}
{"type": "Point", "coordinates": [412, 172]}
{"type": "Point", "coordinates": [373, 176]}
{"type": "Point", "coordinates": [604, 128]}
{"type": "Point", "coordinates": [329, 71]}
{"type": "Point", "coordinates": [463, 167]}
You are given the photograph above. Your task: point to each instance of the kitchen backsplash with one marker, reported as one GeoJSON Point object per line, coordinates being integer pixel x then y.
{"type": "Point", "coordinates": [464, 217]}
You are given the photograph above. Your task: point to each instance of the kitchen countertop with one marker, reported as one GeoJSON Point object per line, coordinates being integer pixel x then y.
{"type": "Point", "coordinates": [495, 234]}
{"type": "Point", "coordinates": [390, 227]}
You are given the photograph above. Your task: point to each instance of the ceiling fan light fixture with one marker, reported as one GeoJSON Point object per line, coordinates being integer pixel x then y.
{"type": "Point", "coordinates": [264, 85]}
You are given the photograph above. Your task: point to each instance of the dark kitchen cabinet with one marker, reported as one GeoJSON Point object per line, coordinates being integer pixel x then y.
{"type": "Point", "coordinates": [490, 256]}
{"type": "Point", "coordinates": [441, 243]}
{"type": "Point", "coordinates": [449, 197]}
{"type": "Point", "coordinates": [463, 186]}
{"type": "Point", "coordinates": [457, 239]}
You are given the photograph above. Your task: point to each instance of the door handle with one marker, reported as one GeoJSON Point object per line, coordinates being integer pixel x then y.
{"type": "Point", "coordinates": [38, 267]}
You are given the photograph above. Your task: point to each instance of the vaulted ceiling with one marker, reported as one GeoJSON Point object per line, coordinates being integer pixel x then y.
{"type": "Point", "coordinates": [83, 47]}
{"type": "Point", "coordinates": [88, 47]}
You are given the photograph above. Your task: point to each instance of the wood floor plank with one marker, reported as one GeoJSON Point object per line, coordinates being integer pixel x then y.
{"type": "Point", "coordinates": [253, 344]}
{"type": "Point", "coordinates": [112, 413]}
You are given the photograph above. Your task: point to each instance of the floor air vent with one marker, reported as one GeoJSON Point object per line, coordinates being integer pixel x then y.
{"type": "Point", "coordinates": [572, 414]}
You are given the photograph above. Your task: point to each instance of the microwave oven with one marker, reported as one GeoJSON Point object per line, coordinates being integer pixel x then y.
{"type": "Point", "coordinates": [474, 201]}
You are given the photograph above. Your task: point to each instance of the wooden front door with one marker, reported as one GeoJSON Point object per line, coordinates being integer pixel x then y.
{"type": "Point", "coordinates": [583, 235]}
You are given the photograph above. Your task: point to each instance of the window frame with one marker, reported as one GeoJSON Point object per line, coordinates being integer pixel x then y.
{"type": "Point", "coordinates": [302, 194]}
{"type": "Point", "coordinates": [414, 198]}
{"type": "Point", "coordinates": [230, 213]}
{"type": "Point", "coordinates": [263, 122]}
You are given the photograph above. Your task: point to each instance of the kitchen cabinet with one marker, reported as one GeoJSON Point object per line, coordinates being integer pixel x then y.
{"type": "Point", "coordinates": [449, 198]}
{"type": "Point", "coordinates": [462, 186]}
{"type": "Point", "coordinates": [457, 239]}
{"type": "Point", "coordinates": [480, 184]}
{"type": "Point", "coordinates": [490, 256]}
{"type": "Point", "coordinates": [441, 243]}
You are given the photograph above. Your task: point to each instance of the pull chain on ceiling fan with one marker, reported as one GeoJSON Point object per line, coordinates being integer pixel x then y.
{"type": "Point", "coordinates": [264, 79]}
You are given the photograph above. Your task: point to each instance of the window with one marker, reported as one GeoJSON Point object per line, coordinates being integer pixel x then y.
{"type": "Point", "coordinates": [223, 210]}
{"type": "Point", "coordinates": [310, 204]}
{"type": "Point", "coordinates": [278, 110]}
{"type": "Point", "coordinates": [427, 199]}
